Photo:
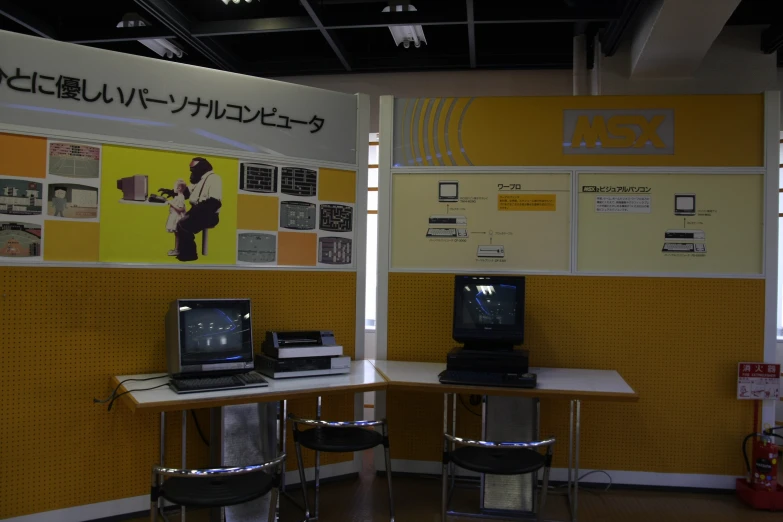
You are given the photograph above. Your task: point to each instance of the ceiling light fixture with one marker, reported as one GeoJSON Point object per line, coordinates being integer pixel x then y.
{"type": "Point", "coordinates": [235, 1]}
{"type": "Point", "coordinates": [159, 46]}
{"type": "Point", "coordinates": [405, 34]}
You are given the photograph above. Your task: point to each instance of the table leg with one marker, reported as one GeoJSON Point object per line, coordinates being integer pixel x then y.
{"type": "Point", "coordinates": [184, 452]}
{"type": "Point", "coordinates": [216, 451]}
{"type": "Point", "coordinates": [569, 484]}
{"type": "Point", "coordinates": [483, 437]}
{"type": "Point", "coordinates": [162, 448]}
{"type": "Point", "coordinates": [283, 434]}
{"type": "Point", "coordinates": [317, 461]}
{"type": "Point", "coordinates": [454, 433]}
{"type": "Point", "coordinates": [445, 484]}
{"type": "Point", "coordinates": [576, 461]}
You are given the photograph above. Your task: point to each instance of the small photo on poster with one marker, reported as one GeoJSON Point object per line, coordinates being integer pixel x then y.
{"type": "Point", "coordinates": [20, 197]}
{"type": "Point", "coordinates": [71, 201]}
{"type": "Point", "coordinates": [20, 240]}
{"type": "Point", "coordinates": [74, 160]}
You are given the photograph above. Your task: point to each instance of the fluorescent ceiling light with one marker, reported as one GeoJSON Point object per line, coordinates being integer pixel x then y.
{"type": "Point", "coordinates": [405, 34]}
{"type": "Point", "coordinates": [159, 46]}
{"type": "Point", "coordinates": [235, 1]}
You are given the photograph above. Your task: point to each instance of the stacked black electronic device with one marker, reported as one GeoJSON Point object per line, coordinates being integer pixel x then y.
{"type": "Point", "coordinates": [301, 354]}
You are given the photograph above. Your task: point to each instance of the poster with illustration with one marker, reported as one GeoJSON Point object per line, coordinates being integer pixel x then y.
{"type": "Point", "coordinates": [20, 240]}
{"type": "Point", "coordinates": [167, 207]}
{"type": "Point", "coordinates": [20, 197]}
{"type": "Point", "coordinates": [67, 200]}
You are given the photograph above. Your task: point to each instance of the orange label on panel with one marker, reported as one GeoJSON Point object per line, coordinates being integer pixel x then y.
{"type": "Point", "coordinates": [527, 202]}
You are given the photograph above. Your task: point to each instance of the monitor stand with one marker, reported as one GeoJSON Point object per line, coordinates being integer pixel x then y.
{"type": "Point", "coordinates": [488, 346]}
{"type": "Point", "coordinates": [488, 358]}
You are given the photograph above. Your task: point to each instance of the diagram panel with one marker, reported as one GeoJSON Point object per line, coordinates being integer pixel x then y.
{"type": "Point", "coordinates": [671, 223]}
{"type": "Point", "coordinates": [482, 221]}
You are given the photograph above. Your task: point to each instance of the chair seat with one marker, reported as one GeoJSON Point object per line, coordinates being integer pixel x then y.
{"type": "Point", "coordinates": [339, 440]}
{"type": "Point", "coordinates": [217, 491]}
{"type": "Point", "coordinates": [498, 461]}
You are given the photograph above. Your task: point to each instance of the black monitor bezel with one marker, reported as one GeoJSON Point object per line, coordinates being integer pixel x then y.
{"type": "Point", "coordinates": [505, 335]}
{"type": "Point", "coordinates": [244, 355]}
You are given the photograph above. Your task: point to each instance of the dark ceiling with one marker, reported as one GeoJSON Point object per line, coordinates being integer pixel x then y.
{"type": "Point", "coordinates": [302, 37]}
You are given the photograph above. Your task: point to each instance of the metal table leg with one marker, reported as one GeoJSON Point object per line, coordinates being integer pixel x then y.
{"type": "Point", "coordinates": [184, 452]}
{"type": "Point", "coordinates": [216, 451]}
{"type": "Point", "coordinates": [317, 461]}
{"type": "Point", "coordinates": [573, 458]}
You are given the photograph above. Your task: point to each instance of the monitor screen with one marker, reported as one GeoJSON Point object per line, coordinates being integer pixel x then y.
{"type": "Point", "coordinates": [685, 203]}
{"type": "Point", "coordinates": [489, 309]}
{"type": "Point", "coordinates": [215, 331]}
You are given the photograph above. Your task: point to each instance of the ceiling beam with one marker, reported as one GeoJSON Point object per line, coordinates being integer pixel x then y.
{"type": "Point", "coordinates": [772, 38]}
{"type": "Point", "coordinates": [27, 20]}
{"type": "Point", "coordinates": [119, 34]}
{"type": "Point", "coordinates": [471, 33]}
{"type": "Point", "coordinates": [254, 25]}
{"type": "Point", "coordinates": [616, 32]}
{"type": "Point", "coordinates": [332, 41]}
{"type": "Point", "coordinates": [169, 16]}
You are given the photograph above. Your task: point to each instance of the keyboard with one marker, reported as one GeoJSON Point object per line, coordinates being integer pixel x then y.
{"type": "Point", "coordinates": [225, 382]}
{"type": "Point", "coordinates": [684, 247]}
{"type": "Point", "coordinates": [505, 380]}
{"type": "Point", "coordinates": [447, 232]}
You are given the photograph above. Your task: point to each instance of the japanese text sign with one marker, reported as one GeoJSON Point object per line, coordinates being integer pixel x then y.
{"type": "Point", "coordinates": [65, 87]}
{"type": "Point", "coordinates": [758, 381]}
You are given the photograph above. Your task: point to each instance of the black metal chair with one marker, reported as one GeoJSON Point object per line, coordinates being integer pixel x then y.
{"type": "Point", "coordinates": [338, 437]}
{"type": "Point", "coordinates": [495, 458]}
{"type": "Point", "coordinates": [216, 487]}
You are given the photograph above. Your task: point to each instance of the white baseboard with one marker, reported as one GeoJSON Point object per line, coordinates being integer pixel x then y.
{"type": "Point", "coordinates": [630, 478]}
{"type": "Point", "coordinates": [110, 508]}
{"type": "Point", "coordinates": [129, 505]}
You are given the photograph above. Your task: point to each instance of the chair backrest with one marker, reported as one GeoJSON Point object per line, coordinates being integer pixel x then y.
{"type": "Point", "coordinates": [272, 466]}
{"type": "Point", "coordinates": [534, 445]}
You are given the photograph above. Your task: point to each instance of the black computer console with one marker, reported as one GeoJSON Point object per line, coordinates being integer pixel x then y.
{"type": "Point", "coordinates": [501, 361]}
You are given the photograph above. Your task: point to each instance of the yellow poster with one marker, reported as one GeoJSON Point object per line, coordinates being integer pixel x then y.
{"type": "Point", "coordinates": [167, 207]}
{"type": "Point", "coordinates": [481, 221]}
{"type": "Point", "coordinates": [670, 223]}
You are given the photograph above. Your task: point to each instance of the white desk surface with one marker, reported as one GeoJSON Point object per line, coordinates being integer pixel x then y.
{"type": "Point", "coordinates": [363, 377]}
{"type": "Point", "coordinates": [566, 383]}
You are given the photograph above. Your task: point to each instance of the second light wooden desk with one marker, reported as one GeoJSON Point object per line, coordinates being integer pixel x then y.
{"type": "Point", "coordinates": [573, 384]}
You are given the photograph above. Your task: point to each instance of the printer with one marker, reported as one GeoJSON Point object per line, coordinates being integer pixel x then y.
{"type": "Point", "coordinates": [301, 354]}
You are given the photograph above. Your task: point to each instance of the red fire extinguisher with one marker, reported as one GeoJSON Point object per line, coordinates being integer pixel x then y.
{"type": "Point", "coordinates": [763, 470]}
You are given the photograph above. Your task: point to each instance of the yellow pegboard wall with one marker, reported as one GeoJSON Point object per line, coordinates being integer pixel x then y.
{"type": "Point", "coordinates": [677, 342]}
{"type": "Point", "coordinates": [67, 331]}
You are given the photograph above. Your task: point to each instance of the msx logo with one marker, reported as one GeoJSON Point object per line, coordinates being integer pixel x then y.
{"type": "Point", "coordinates": [620, 131]}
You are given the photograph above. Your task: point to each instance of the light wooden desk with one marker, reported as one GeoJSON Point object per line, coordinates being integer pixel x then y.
{"type": "Point", "coordinates": [575, 385]}
{"type": "Point", "coordinates": [363, 377]}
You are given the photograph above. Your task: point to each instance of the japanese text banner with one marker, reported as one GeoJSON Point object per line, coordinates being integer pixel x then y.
{"type": "Point", "coordinates": [64, 87]}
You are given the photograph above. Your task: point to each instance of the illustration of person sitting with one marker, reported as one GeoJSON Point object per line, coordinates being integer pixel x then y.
{"type": "Point", "coordinates": [206, 194]}
{"type": "Point", "coordinates": [176, 212]}
{"type": "Point", "coordinates": [59, 201]}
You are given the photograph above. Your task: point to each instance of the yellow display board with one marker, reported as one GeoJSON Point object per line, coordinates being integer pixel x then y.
{"type": "Point", "coordinates": [676, 341]}
{"type": "Point", "coordinates": [68, 330]}
{"type": "Point", "coordinates": [670, 223]}
{"type": "Point", "coordinates": [693, 131]}
{"type": "Point", "coordinates": [490, 221]}
{"type": "Point", "coordinates": [140, 231]}
{"type": "Point", "coordinates": [87, 203]}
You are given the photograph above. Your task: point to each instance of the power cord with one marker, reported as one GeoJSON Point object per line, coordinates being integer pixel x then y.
{"type": "Point", "coordinates": [198, 428]}
{"type": "Point", "coordinates": [462, 401]}
{"type": "Point", "coordinates": [604, 490]}
{"type": "Point", "coordinates": [117, 396]}
{"type": "Point", "coordinates": [113, 395]}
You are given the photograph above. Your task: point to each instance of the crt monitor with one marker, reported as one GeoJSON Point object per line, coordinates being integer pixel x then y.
{"type": "Point", "coordinates": [209, 336]}
{"type": "Point", "coordinates": [489, 311]}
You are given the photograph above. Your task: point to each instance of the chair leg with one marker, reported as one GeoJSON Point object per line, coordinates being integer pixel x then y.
{"type": "Point", "coordinates": [444, 500]}
{"type": "Point", "coordinates": [302, 479]}
{"type": "Point", "coordinates": [317, 481]}
{"type": "Point", "coordinates": [154, 492]}
{"type": "Point", "coordinates": [273, 496]}
{"type": "Point", "coordinates": [389, 480]}
{"type": "Point", "coordinates": [542, 496]}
